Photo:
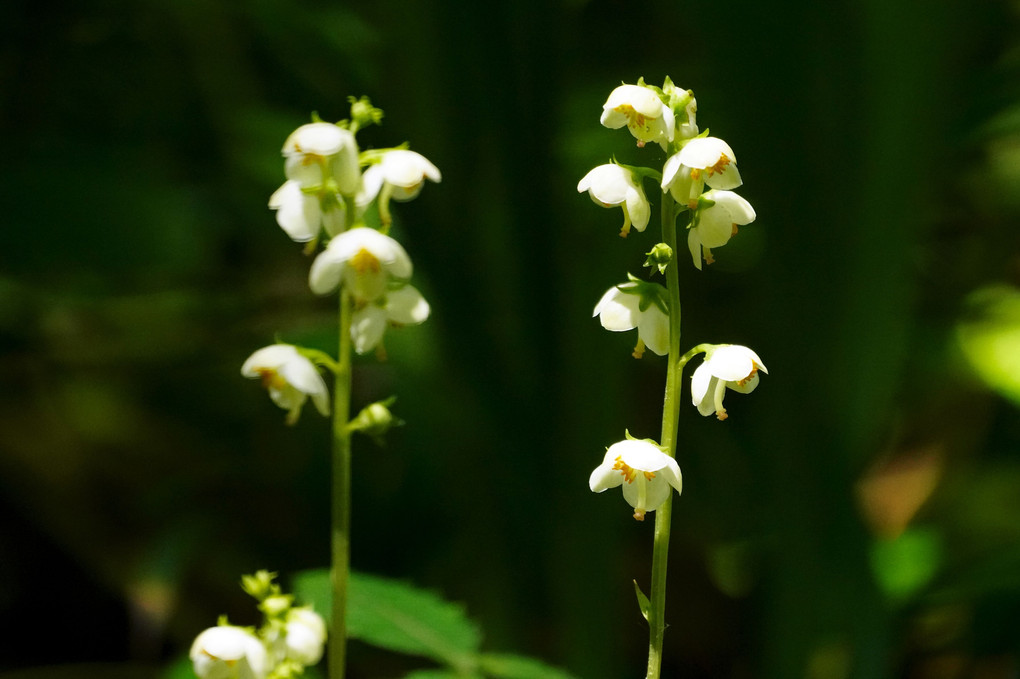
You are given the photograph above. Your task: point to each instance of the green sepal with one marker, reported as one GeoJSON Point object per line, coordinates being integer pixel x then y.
{"type": "Point", "coordinates": [373, 156]}
{"type": "Point", "coordinates": [650, 293]}
{"type": "Point", "coordinates": [643, 603]}
{"type": "Point", "coordinates": [640, 171]}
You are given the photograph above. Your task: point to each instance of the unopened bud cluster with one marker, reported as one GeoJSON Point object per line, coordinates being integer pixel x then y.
{"type": "Point", "coordinates": [288, 640]}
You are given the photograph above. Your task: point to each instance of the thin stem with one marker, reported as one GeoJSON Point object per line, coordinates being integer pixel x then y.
{"type": "Point", "coordinates": [670, 418]}
{"type": "Point", "coordinates": [341, 501]}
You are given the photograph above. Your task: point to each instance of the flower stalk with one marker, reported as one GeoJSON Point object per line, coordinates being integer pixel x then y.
{"type": "Point", "coordinates": [341, 493]}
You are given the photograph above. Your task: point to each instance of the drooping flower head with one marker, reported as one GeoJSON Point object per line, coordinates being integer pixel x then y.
{"type": "Point", "coordinates": [704, 160]}
{"type": "Point", "coordinates": [302, 214]}
{"type": "Point", "coordinates": [715, 221]}
{"type": "Point", "coordinates": [305, 636]}
{"type": "Point", "coordinates": [611, 185]}
{"type": "Point", "coordinates": [318, 152]}
{"type": "Point", "coordinates": [637, 304]}
{"type": "Point", "coordinates": [227, 652]}
{"type": "Point", "coordinates": [727, 366]}
{"type": "Point", "coordinates": [403, 306]}
{"type": "Point", "coordinates": [642, 111]}
{"type": "Point", "coordinates": [404, 171]}
{"type": "Point", "coordinates": [645, 472]}
{"type": "Point", "coordinates": [362, 260]}
{"type": "Point", "coordinates": [289, 377]}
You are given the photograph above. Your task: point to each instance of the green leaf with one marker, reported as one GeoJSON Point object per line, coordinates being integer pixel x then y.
{"type": "Point", "coordinates": [398, 616]}
{"type": "Point", "coordinates": [509, 666]}
{"type": "Point", "coordinates": [440, 674]}
{"type": "Point", "coordinates": [642, 601]}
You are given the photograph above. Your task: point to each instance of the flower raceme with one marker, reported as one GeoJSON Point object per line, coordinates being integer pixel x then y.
{"type": "Point", "coordinates": [610, 185]}
{"type": "Point", "coordinates": [646, 473]}
{"type": "Point", "coordinates": [362, 260]}
{"type": "Point", "coordinates": [642, 111]}
{"type": "Point", "coordinates": [403, 171]}
{"type": "Point", "coordinates": [704, 160]}
{"type": "Point", "coordinates": [227, 652]}
{"type": "Point", "coordinates": [715, 221]}
{"type": "Point", "coordinates": [289, 377]}
{"type": "Point", "coordinates": [727, 366]}
{"type": "Point", "coordinates": [637, 304]}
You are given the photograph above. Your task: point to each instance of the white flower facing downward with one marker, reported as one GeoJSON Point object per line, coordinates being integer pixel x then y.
{"type": "Point", "coordinates": [404, 306]}
{"type": "Point", "coordinates": [637, 304]}
{"type": "Point", "coordinates": [289, 377]}
{"type": "Point", "coordinates": [318, 152]}
{"type": "Point", "coordinates": [716, 223]}
{"type": "Point", "coordinates": [228, 653]}
{"type": "Point", "coordinates": [404, 171]}
{"type": "Point", "coordinates": [645, 472]}
{"type": "Point", "coordinates": [305, 636]}
{"type": "Point", "coordinates": [642, 111]}
{"type": "Point", "coordinates": [728, 366]}
{"type": "Point", "coordinates": [611, 185]}
{"type": "Point", "coordinates": [301, 214]}
{"type": "Point", "coordinates": [364, 261]}
{"type": "Point", "coordinates": [706, 160]}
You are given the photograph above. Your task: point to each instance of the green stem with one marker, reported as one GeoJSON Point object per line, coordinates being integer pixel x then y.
{"type": "Point", "coordinates": [341, 501]}
{"type": "Point", "coordinates": [670, 417]}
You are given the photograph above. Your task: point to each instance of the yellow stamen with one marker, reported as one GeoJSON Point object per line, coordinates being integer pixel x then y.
{"type": "Point", "coordinates": [639, 514]}
{"type": "Point", "coordinates": [364, 261]}
{"type": "Point", "coordinates": [695, 174]}
{"type": "Point", "coordinates": [639, 349]}
{"type": "Point", "coordinates": [754, 371]}
{"type": "Point", "coordinates": [720, 166]}
{"type": "Point", "coordinates": [270, 378]}
{"type": "Point", "coordinates": [735, 229]}
{"type": "Point", "coordinates": [629, 474]}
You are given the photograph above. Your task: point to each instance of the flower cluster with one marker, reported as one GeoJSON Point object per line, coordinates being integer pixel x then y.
{"type": "Point", "coordinates": [289, 639]}
{"type": "Point", "coordinates": [697, 177]}
{"type": "Point", "coordinates": [330, 186]}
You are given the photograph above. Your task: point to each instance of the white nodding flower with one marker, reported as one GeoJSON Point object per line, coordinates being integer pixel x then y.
{"type": "Point", "coordinates": [317, 152]}
{"type": "Point", "coordinates": [637, 304]}
{"type": "Point", "coordinates": [363, 260]}
{"type": "Point", "coordinates": [305, 636]}
{"type": "Point", "coordinates": [611, 185]}
{"type": "Point", "coordinates": [642, 111]}
{"type": "Point", "coordinates": [705, 160]}
{"type": "Point", "coordinates": [728, 366]}
{"type": "Point", "coordinates": [301, 214]}
{"type": "Point", "coordinates": [405, 171]}
{"type": "Point", "coordinates": [716, 219]}
{"type": "Point", "coordinates": [646, 473]}
{"type": "Point", "coordinates": [404, 306]}
{"type": "Point", "coordinates": [226, 652]}
{"type": "Point", "coordinates": [289, 377]}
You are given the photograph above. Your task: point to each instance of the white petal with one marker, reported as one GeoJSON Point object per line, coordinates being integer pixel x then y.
{"type": "Point", "coordinates": [655, 490]}
{"type": "Point", "coordinates": [305, 170]}
{"type": "Point", "coordinates": [297, 213]}
{"type": "Point", "coordinates": [607, 184]}
{"type": "Point", "coordinates": [638, 208]}
{"type": "Point", "coordinates": [653, 329]}
{"type": "Point", "coordinates": [671, 474]}
{"type": "Point", "coordinates": [407, 306]}
{"type": "Point", "coordinates": [321, 139]}
{"type": "Point", "coordinates": [727, 179]}
{"type": "Point", "coordinates": [302, 374]}
{"type": "Point", "coordinates": [669, 171]}
{"type": "Point", "coordinates": [617, 311]}
{"type": "Point", "coordinates": [739, 210]}
{"type": "Point", "coordinates": [604, 477]}
{"type": "Point", "coordinates": [326, 271]}
{"type": "Point", "coordinates": [368, 325]}
{"type": "Point", "coordinates": [371, 183]}
{"type": "Point", "coordinates": [346, 169]}
{"type": "Point", "coordinates": [705, 152]}
{"type": "Point", "coordinates": [641, 99]}
{"type": "Point", "coordinates": [732, 363]}
{"type": "Point", "coordinates": [640, 455]}
{"type": "Point", "coordinates": [223, 643]}
{"type": "Point", "coordinates": [701, 382]}
{"type": "Point", "coordinates": [271, 357]}
{"type": "Point", "coordinates": [745, 388]}
{"type": "Point", "coordinates": [715, 226]}
{"type": "Point", "coordinates": [694, 245]}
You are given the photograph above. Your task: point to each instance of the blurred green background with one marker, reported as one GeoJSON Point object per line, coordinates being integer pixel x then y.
{"type": "Point", "coordinates": [858, 516]}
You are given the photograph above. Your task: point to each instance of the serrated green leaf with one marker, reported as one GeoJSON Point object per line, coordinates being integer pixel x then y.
{"type": "Point", "coordinates": [510, 666]}
{"type": "Point", "coordinates": [642, 601]}
{"type": "Point", "coordinates": [398, 616]}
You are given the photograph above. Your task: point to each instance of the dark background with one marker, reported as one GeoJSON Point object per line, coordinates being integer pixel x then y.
{"type": "Point", "coordinates": [858, 516]}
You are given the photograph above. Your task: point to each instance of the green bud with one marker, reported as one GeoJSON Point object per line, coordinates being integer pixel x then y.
{"type": "Point", "coordinates": [363, 113]}
{"type": "Point", "coordinates": [260, 585]}
{"type": "Point", "coordinates": [375, 420]}
{"type": "Point", "coordinates": [276, 605]}
{"type": "Point", "coordinates": [659, 257]}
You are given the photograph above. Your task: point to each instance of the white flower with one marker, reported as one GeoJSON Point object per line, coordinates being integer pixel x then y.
{"type": "Point", "coordinates": [404, 171]}
{"type": "Point", "coordinates": [300, 214]}
{"type": "Point", "coordinates": [228, 653]}
{"type": "Point", "coordinates": [640, 305]}
{"type": "Point", "coordinates": [363, 261]}
{"type": "Point", "coordinates": [706, 160]}
{"type": "Point", "coordinates": [317, 152]}
{"type": "Point", "coordinates": [610, 185]}
{"type": "Point", "coordinates": [641, 110]}
{"type": "Point", "coordinates": [305, 636]}
{"type": "Point", "coordinates": [645, 472]}
{"type": "Point", "coordinates": [729, 366]}
{"type": "Point", "coordinates": [290, 378]}
{"type": "Point", "coordinates": [404, 306]}
{"type": "Point", "coordinates": [715, 224]}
